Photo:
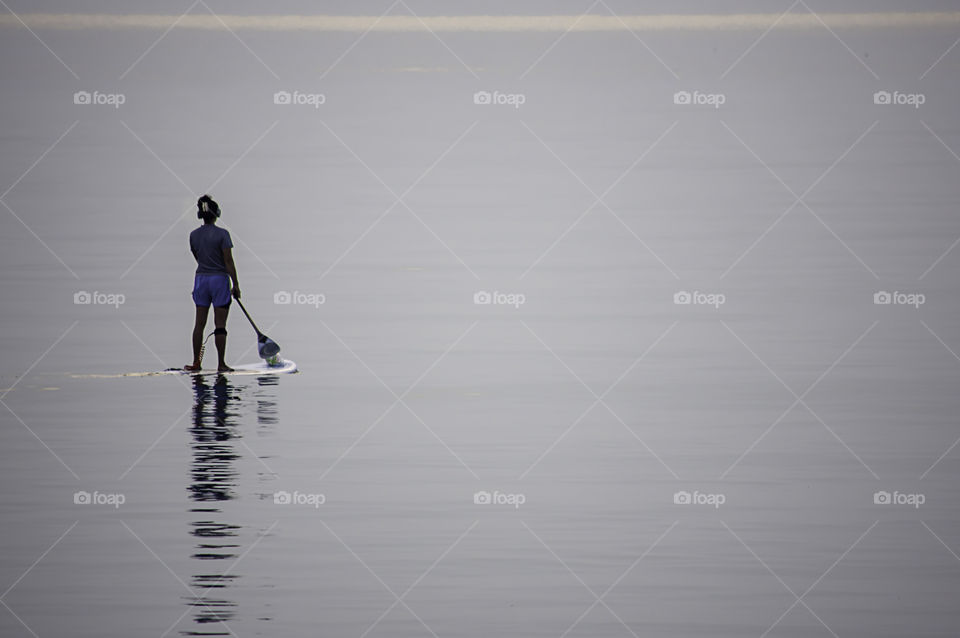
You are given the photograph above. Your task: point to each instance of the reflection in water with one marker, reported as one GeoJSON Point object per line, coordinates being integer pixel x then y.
{"type": "Point", "coordinates": [217, 411]}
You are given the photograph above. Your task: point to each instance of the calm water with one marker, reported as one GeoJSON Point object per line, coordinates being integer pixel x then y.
{"type": "Point", "coordinates": [340, 501]}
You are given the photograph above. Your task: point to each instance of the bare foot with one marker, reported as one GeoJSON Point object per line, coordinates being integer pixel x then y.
{"type": "Point", "coordinates": [224, 368]}
{"type": "Point", "coordinates": [192, 368]}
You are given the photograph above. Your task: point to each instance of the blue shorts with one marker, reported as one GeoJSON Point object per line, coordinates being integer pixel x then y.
{"type": "Point", "coordinates": [211, 289]}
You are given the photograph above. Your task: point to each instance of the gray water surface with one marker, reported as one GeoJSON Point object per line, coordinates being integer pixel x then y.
{"type": "Point", "coordinates": [588, 404]}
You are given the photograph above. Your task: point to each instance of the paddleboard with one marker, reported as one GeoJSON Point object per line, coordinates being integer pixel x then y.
{"type": "Point", "coordinates": [247, 369]}
{"type": "Point", "coordinates": [259, 368]}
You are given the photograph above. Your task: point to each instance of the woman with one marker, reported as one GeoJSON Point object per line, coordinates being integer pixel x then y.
{"type": "Point", "coordinates": [211, 247]}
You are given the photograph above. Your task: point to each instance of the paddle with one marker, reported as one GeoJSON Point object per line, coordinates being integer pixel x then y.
{"type": "Point", "coordinates": [266, 347]}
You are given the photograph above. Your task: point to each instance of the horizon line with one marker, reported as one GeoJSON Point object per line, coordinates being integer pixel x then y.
{"type": "Point", "coordinates": [484, 23]}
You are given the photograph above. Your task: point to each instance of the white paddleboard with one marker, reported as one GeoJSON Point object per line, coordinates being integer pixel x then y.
{"type": "Point", "coordinates": [258, 369]}
{"type": "Point", "coordinates": [247, 369]}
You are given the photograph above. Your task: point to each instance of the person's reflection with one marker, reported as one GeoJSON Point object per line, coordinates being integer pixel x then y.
{"type": "Point", "coordinates": [213, 478]}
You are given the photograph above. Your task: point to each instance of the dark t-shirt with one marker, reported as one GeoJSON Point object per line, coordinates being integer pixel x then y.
{"type": "Point", "coordinates": [207, 244]}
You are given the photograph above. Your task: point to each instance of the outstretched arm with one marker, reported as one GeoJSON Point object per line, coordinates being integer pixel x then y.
{"type": "Point", "coordinates": [231, 270]}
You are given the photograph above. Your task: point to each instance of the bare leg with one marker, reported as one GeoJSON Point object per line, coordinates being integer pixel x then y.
{"type": "Point", "coordinates": [220, 321]}
{"type": "Point", "coordinates": [198, 327]}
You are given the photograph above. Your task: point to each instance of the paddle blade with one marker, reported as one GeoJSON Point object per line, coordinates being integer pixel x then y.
{"type": "Point", "coordinates": [267, 347]}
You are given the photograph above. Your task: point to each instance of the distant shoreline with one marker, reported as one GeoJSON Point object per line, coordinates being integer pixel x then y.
{"type": "Point", "coordinates": [201, 20]}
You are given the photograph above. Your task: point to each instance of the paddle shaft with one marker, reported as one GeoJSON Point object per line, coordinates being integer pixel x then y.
{"type": "Point", "coordinates": [255, 328]}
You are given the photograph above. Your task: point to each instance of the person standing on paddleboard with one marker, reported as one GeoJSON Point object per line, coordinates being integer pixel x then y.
{"type": "Point", "coordinates": [211, 247]}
